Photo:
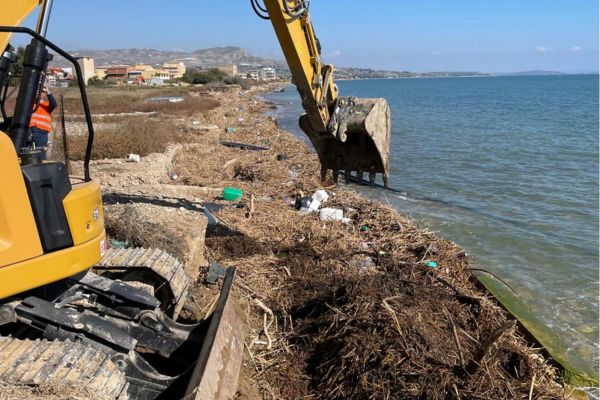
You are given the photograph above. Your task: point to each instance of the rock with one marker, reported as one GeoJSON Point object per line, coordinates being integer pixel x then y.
{"type": "Point", "coordinates": [198, 128]}
{"type": "Point", "coordinates": [133, 157]}
{"type": "Point", "coordinates": [180, 233]}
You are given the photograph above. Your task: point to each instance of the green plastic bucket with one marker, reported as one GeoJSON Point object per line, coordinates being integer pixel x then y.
{"type": "Point", "coordinates": [232, 194]}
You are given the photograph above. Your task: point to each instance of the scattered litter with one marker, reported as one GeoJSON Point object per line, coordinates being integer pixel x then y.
{"type": "Point", "coordinates": [430, 264]}
{"type": "Point", "coordinates": [215, 272]}
{"type": "Point", "coordinates": [293, 174]}
{"type": "Point", "coordinates": [364, 228]}
{"type": "Point", "coordinates": [117, 244]}
{"type": "Point", "coordinates": [314, 205]}
{"type": "Point", "coordinates": [460, 254]}
{"type": "Point", "coordinates": [320, 196]}
{"type": "Point", "coordinates": [366, 263]}
{"type": "Point", "coordinates": [286, 199]}
{"type": "Point", "coordinates": [133, 157]}
{"type": "Point", "coordinates": [240, 120]}
{"type": "Point", "coordinates": [230, 130]}
{"type": "Point", "coordinates": [243, 146]}
{"type": "Point", "coordinates": [282, 157]}
{"type": "Point", "coordinates": [195, 122]}
{"type": "Point", "coordinates": [331, 214]}
{"type": "Point", "coordinates": [164, 99]}
{"type": "Point", "coordinates": [302, 203]}
{"type": "Point", "coordinates": [174, 177]}
{"type": "Point", "coordinates": [232, 194]}
{"type": "Point", "coordinates": [211, 220]}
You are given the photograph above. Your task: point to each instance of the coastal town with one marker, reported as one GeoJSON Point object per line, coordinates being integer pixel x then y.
{"type": "Point", "coordinates": [167, 73]}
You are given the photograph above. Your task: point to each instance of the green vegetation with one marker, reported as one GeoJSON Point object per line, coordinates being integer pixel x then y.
{"type": "Point", "coordinates": [97, 82]}
{"type": "Point", "coordinates": [16, 69]}
{"type": "Point", "coordinates": [135, 136]}
{"type": "Point", "coordinates": [204, 77]}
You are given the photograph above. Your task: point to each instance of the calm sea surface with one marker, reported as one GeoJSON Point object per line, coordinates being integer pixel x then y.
{"type": "Point", "coordinates": [508, 168]}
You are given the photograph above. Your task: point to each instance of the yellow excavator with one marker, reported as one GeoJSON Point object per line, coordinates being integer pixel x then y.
{"type": "Point", "coordinates": [73, 311]}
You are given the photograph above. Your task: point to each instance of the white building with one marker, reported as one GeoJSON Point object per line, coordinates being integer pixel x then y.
{"type": "Point", "coordinates": [253, 74]}
{"type": "Point", "coordinates": [87, 68]}
{"type": "Point", "coordinates": [268, 73]}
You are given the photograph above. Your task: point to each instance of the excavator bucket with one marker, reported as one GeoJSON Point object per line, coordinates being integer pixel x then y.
{"type": "Point", "coordinates": [215, 376]}
{"type": "Point", "coordinates": [362, 140]}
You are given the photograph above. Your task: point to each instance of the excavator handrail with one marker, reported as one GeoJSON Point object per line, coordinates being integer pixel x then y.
{"type": "Point", "coordinates": [84, 99]}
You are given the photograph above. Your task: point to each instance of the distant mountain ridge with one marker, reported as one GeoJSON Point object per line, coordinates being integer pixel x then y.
{"type": "Point", "coordinates": [204, 58]}
{"type": "Point", "coordinates": [218, 56]}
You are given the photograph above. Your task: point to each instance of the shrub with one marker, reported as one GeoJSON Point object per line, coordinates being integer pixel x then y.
{"type": "Point", "coordinates": [136, 136]}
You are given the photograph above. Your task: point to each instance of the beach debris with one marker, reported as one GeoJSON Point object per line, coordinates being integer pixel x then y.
{"type": "Point", "coordinates": [117, 244]}
{"type": "Point", "coordinates": [211, 220]}
{"type": "Point", "coordinates": [364, 228]}
{"type": "Point", "coordinates": [230, 129]}
{"type": "Point", "coordinates": [174, 177]}
{"type": "Point", "coordinates": [332, 214]}
{"type": "Point", "coordinates": [198, 128]}
{"type": "Point", "coordinates": [320, 196]}
{"type": "Point", "coordinates": [232, 194]}
{"type": "Point", "coordinates": [243, 146]}
{"type": "Point", "coordinates": [302, 203]}
{"type": "Point", "coordinates": [133, 157]}
{"type": "Point", "coordinates": [429, 263]}
{"type": "Point", "coordinates": [366, 263]}
{"type": "Point", "coordinates": [293, 174]}
{"type": "Point", "coordinates": [215, 271]}
{"type": "Point", "coordinates": [282, 157]}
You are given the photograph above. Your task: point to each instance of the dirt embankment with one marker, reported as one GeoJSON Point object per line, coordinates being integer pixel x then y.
{"type": "Point", "coordinates": [335, 310]}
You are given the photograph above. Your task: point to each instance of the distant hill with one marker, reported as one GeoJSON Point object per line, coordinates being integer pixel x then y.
{"type": "Point", "coordinates": [217, 56]}
{"type": "Point", "coordinates": [205, 58]}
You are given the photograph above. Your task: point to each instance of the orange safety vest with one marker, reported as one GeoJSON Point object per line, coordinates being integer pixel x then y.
{"type": "Point", "coordinates": [41, 118]}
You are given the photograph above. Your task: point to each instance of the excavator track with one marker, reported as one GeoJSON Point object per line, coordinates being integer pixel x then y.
{"type": "Point", "coordinates": [135, 263]}
{"type": "Point", "coordinates": [61, 363]}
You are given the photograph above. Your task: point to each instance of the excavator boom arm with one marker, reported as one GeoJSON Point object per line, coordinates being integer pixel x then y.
{"type": "Point", "coordinates": [348, 134]}
{"type": "Point", "coordinates": [302, 52]}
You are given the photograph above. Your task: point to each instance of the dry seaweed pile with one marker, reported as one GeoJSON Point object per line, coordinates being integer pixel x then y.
{"type": "Point", "coordinates": [353, 311]}
{"type": "Point", "coordinates": [48, 392]}
{"type": "Point", "coordinates": [358, 314]}
{"type": "Point", "coordinates": [347, 311]}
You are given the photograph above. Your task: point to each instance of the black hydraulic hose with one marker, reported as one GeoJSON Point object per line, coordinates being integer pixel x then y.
{"type": "Point", "coordinates": [3, 98]}
{"type": "Point", "coordinates": [6, 60]}
{"type": "Point", "coordinates": [256, 7]}
{"type": "Point", "coordinates": [261, 8]}
{"type": "Point", "coordinates": [33, 66]}
{"type": "Point", "coordinates": [84, 99]}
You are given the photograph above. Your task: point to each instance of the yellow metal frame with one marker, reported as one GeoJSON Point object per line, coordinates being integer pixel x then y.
{"type": "Point", "coordinates": [23, 265]}
{"type": "Point", "coordinates": [14, 14]}
{"type": "Point", "coordinates": [19, 238]}
{"type": "Point", "coordinates": [299, 44]}
{"type": "Point", "coordinates": [51, 267]}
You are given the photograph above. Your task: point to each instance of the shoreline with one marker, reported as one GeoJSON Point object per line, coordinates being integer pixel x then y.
{"type": "Point", "coordinates": [291, 262]}
{"type": "Point", "coordinates": [580, 369]}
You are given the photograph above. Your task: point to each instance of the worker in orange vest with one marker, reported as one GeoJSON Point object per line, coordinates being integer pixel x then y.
{"type": "Point", "coordinates": [41, 120]}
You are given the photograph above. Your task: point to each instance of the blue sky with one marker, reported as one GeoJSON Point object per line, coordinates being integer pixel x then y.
{"type": "Point", "coordinates": [489, 36]}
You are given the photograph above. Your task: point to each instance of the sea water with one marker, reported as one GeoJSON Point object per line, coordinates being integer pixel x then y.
{"type": "Point", "coordinates": [507, 167]}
